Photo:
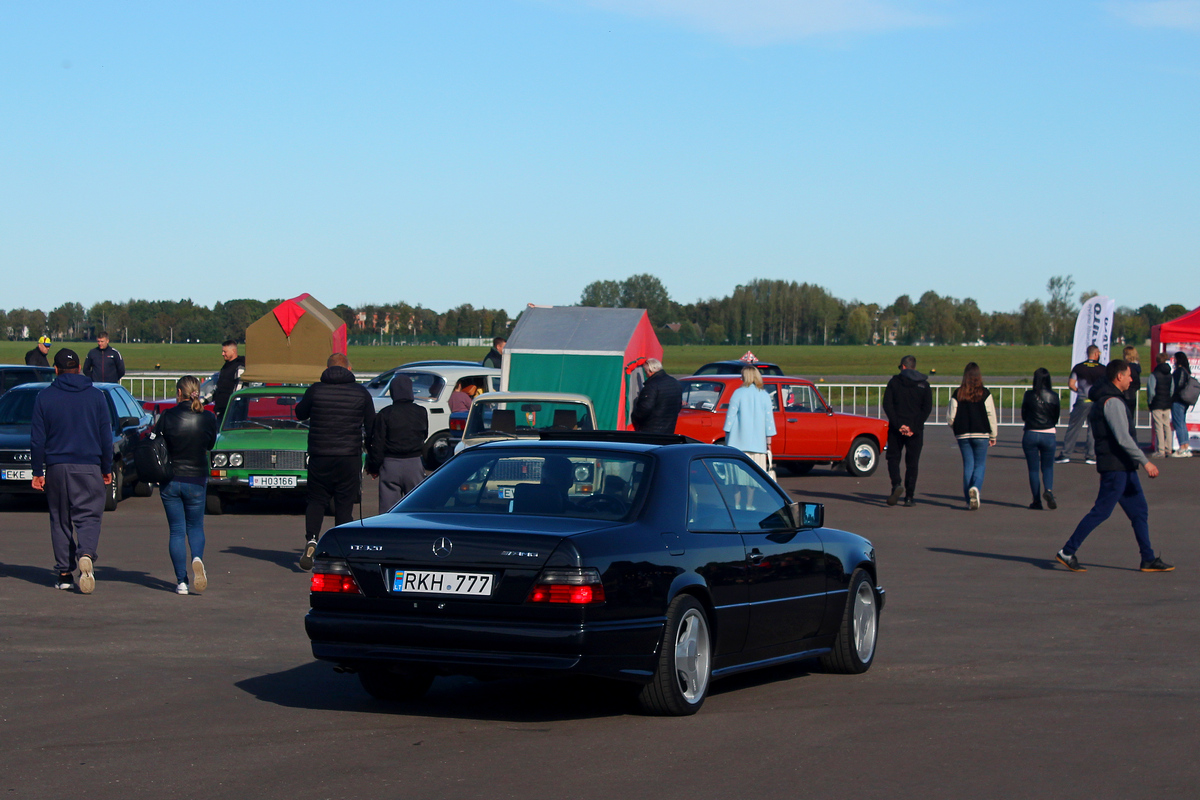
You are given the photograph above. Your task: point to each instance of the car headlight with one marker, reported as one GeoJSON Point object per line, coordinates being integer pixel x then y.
{"type": "Point", "coordinates": [220, 459]}
{"type": "Point", "coordinates": [235, 459]}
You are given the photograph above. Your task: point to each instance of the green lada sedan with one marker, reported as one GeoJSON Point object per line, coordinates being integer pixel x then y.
{"type": "Point", "coordinates": [261, 447]}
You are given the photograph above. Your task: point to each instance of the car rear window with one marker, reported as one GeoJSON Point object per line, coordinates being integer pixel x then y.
{"type": "Point", "coordinates": [527, 417]}
{"type": "Point", "coordinates": [565, 483]}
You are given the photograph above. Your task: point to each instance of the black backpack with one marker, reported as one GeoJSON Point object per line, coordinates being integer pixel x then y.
{"type": "Point", "coordinates": [152, 459]}
{"type": "Point", "coordinates": [1189, 393]}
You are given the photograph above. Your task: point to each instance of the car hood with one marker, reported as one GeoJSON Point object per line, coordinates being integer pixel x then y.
{"type": "Point", "coordinates": [14, 437]}
{"type": "Point", "coordinates": [259, 439]}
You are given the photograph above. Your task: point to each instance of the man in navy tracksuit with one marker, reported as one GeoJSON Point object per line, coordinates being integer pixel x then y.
{"type": "Point", "coordinates": [104, 363]}
{"type": "Point", "coordinates": [1117, 460]}
{"type": "Point", "coordinates": [72, 455]}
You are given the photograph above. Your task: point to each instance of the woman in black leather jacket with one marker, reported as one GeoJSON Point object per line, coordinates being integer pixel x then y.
{"type": "Point", "coordinates": [1040, 412]}
{"type": "Point", "coordinates": [190, 433]}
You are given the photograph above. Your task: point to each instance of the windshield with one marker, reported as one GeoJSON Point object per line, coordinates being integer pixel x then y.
{"type": "Point", "coordinates": [527, 417]}
{"type": "Point", "coordinates": [702, 394]}
{"type": "Point", "coordinates": [16, 408]}
{"type": "Point", "coordinates": [270, 411]}
{"type": "Point", "coordinates": [566, 483]}
{"type": "Point", "coordinates": [426, 385]}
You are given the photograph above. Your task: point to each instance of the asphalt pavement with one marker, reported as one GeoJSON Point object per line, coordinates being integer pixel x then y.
{"type": "Point", "coordinates": [998, 674]}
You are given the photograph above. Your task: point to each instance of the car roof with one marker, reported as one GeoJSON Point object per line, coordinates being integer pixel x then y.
{"type": "Point", "coordinates": [737, 362]}
{"type": "Point", "coordinates": [39, 385]}
{"type": "Point", "coordinates": [23, 366]}
{"type": "Point", "coordinates": [291, 388]}
{"type": "Point", "coordinates": [575, 440]}
{"type": "Point", "coordinates": [440, 362]}
{"type": "Point", "coordinates": [445, 371]}
{"type": "Point", "coordinates": [549, 397]}
{"type": "Point", "coordinates": [766, 378]}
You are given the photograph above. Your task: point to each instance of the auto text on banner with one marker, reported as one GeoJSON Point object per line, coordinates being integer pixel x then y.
{"type": "Point", "coordinates": [1093, 327]}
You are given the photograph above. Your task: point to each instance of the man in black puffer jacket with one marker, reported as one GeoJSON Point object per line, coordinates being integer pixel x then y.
{"type": "Point", "coordinates": [340, 412]}
{"type": "Point", "coordinates": [657, 406]}
{"type": "Point", "coordinates": [397, 441]}
{"type": "Point", "coordinates": [907, 402]}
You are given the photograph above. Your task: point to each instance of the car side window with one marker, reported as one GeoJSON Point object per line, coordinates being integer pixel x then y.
{"type": "Point", "coordinates": [773, 391]}
{"type": "Point", "coordinates": [754, 504]}
{"type": "Point", "coordinates": [132, 407]}
{"type": "Point", "coordinates": [380, 381]}
{"type": "Point", "coordinates": [15, 377]}
{"type": "Point", "coordinates": [801, 398]}
{"type": "Point", "coordinates": [702, 394]}
{"type": "Point", "coordinates": [706, 509]}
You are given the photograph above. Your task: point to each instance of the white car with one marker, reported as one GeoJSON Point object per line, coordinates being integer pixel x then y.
{"type": "Point", "coordinates": [524, 415]}
{"type": "Point", "coordinates": [433, 383]}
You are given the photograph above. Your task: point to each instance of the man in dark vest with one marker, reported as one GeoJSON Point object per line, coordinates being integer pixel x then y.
{"type": "Point", "coordinates": [657, 406]}
{"type": "Point", "coordinates": [1084, 376]}
{"type": "Point", "coordinates": [1117, 460]}
{"type": "Point", "coordinates": [907, 402]}
{"type": "Point", "coordinates": [495, 356]}
{"type": "Point", "coordinates": [1158, 389]}
{"type": "Point", "coordinates": [229, 379]}
{"type": "Point", "coordinates": [37, 356]}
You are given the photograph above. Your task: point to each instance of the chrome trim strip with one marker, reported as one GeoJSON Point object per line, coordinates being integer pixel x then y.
{"type": "Point", "coordinates": [782, 599]}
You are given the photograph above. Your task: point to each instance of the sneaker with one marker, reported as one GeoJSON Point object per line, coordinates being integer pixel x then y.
{"type": "Point", "coordinates": [199, 576]}
{"type": "Point", "coordinates": [1051, 502]}
{"type": "Point", "coordinates": [1091, 461]}
{"type": "Point", "coordinates": [1069, 561]}
{"type": "Point", "coordinates": [1181, 453]}
{"type": "Point", "coordinates": [909, 502]}
{"type": "Point", "coordinates": [87, 578]}
{"type": "Point", "coordinates": [894, 497]}
{"type": "Point", "coordinates": [181, 588]}
{"type": "Point", "coordinates": [973, 498]}
{"type": "Point", "coordinates": [306, 558]}
{"type": "Point", "coordinates": [64, 581]}
{"type": "Point", "coordinates": [1157, 565]}
{"type": "Point", "coordinates": [1062, 460]}
{"type": "Point", "coordinates": [1036, 505]}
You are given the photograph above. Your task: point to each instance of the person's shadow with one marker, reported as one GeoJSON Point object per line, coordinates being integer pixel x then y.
{"type": "Point", "coordinates": [1040, 563]}
{"type": "Point", "coordinates": [282, 558]}
{"type": "Point", "coordinates": [870, 498]}
{"type": "Point", "coordinates": [44, 576]}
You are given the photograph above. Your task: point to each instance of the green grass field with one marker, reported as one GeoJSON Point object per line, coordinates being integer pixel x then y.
{"type": "Point", "coordinates": [815, 361]}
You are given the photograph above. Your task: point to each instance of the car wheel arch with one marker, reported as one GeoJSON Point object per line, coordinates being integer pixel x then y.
{"type": "Point", "coordinates": [699, 590]}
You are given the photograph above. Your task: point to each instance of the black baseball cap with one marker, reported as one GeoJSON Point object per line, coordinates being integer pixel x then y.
{"type": "Point", "coordinates": [66, 358]}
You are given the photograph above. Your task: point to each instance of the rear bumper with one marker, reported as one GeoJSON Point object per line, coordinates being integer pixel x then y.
{"type": "Point", "coordinates": [625, 650]}
{"type": "Point", "coordinates": [18, 487]}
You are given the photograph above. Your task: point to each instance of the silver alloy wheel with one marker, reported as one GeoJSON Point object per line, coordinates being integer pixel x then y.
{"type": "Point", "coordinates": [864, 457]}
{"type": "Point", "coordinates": [692, 651]}
{"type": "Point", "coordinates": [864, 622]}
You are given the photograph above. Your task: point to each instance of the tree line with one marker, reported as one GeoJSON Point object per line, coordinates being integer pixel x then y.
{"type": "Point", "coordinates": [763, 311]}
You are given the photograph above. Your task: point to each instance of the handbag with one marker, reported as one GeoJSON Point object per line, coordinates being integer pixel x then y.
{"type": "Point", "coordinates": [1189, 393]}
{"type": "Point", "coordinates": [152, 460]}
{"type": "Point", "coordinates": [771, 467]}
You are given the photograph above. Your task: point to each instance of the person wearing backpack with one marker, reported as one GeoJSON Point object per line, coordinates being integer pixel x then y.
{"type": "Point", "coordinates": [1180, 380]}
{"type": "Point", "coordinates": [189, 433]}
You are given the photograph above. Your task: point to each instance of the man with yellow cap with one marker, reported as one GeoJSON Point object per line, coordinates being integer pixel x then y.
{"type": "Point", "coordinates": [37, 356]}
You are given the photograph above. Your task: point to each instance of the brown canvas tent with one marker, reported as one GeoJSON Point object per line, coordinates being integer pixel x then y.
{"type": "Point", "coordinates": [292, 343]}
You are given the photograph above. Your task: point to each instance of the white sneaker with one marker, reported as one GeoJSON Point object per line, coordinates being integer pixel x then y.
{"type": "Point", "coordinates": [973, 498]}
{"type": "Point", "coordinates": [87, 577]}
{"type": "Point", "coordinates": [1182, 453]}
{"type": "Point", "coordinates": [181, 588]}
{"type": "Point", "coordinates": [199, 576]}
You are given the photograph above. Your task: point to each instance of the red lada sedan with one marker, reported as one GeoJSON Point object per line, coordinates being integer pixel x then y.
{"type": "Point", "coordinates": [808, 430]}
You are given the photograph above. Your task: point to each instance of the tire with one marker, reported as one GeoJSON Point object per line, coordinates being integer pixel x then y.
{"type": "Point", "coordinates": [116, 489]}
{"type": "Point", "coordinates": [214, 504]}
{"type": "Point", "coordinates": [395, 685]}
{"type": "Point", "coordinates": [681, 680]}
{"type": "Point", "coordinates": [863, 458]}
{"type": "Point", "coordinates": [796, 468]}
{"type": "Point", "coordinates": [854, 647]}
{"type": "Point", "coordinates": [143, 489]}
{"type": "Point", "coordinates": [437, 450]}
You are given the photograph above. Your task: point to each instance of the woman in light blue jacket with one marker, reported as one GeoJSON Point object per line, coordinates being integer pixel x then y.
{"type": "Point", "coordinates": [750, 423]}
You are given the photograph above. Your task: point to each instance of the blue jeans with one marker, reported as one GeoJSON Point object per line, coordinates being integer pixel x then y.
{"type": "Point", "coordinates": [184, 504]}
{"type": "Point", "coordinates": [1179, 422]}
{"type": "Point", "coordinates": [1117, 487]}
{"type": "Point", "coordinates": [1039, 455]}
{"type": "Point", "coordinates": [974, 455]}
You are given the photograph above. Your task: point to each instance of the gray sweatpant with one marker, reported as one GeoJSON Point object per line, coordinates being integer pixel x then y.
{"type": "Point", "coordinates": [1079, 415]}
{"type": "Point", "coordinates": [398, 477]}
{"type": "Point", "coordinates": [75, 493]}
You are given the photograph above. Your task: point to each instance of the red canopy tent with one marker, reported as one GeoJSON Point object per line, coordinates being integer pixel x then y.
{"type": "Point", "coordinates": [1184, 330]}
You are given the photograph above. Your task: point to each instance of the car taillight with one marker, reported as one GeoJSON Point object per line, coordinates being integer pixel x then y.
{"type": "Point", "coordinates": [457, 424]}
{"type": "Point", "coordinates": [575, 585]}
{"type": "Point", "coordinates": [333, 576]}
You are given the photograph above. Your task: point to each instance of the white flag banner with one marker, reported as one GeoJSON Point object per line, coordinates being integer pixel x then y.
{"type": "Point", "coordinates": [1093, 327]}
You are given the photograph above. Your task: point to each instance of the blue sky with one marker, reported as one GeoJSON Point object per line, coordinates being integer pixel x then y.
{"type": "Point", "coordinates": [506, 152]}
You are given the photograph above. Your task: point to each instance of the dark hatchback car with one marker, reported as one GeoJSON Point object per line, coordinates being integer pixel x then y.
{"type": "Point", "coordinates": [734, 367]}
{"type": "Point", "coordinates": [640, 558]}
{"type": "Point", "coordinates": [130, 423]}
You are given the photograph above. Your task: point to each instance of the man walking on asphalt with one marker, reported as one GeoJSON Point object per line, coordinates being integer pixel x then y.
{"type": "Point", "coordinates": [1117, 461]}
{"type": "Point", "coordinates": [907, 402]}
{"type": "Point", "coordinates": [340, 411]}
{"type": "Point", "coordinates": [1084, 376]}
{"type": "Point", "coordinates": [72, 454]}
{"type": "Point", "coordinates": [104, 364]}
{"type": "Point", "coordinates": [396, 443]}
{"type": "Point", "coordinates": [658, 403]}
{"type": "Point", "coordinates": [37, 356]}
{"type": "Point", "coordinates": [229, 379]}
{"type": "Point", "coordinates": [495, 356]}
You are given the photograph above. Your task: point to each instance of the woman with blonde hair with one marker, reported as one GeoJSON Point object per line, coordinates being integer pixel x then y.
{"type": "Point", "coordinates": [189, 432]}
{"type": "Point", "coordinates": [973, 420]}
{"type": "Point", "coordinates": [750, 421]}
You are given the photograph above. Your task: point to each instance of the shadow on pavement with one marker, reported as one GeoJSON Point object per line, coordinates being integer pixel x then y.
{"type": "Point", "coordinates": [961, 502]}
{"type": "Point", "coordinates": [873, 499]}
{"type": "Point", "coordinates": [282, 558]}
{"type": "Point", "coordinates": [44, 576]}
{"type": "Point", "coordinates": [24, 572]}
{"type": "Point", "coordinates": [316, 686]}
{"type": "Point", "coordinates": [1041, 563]}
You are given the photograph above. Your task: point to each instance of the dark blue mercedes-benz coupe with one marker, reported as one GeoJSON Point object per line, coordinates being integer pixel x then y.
{"type": "Point", "coordinates": [643, 558]}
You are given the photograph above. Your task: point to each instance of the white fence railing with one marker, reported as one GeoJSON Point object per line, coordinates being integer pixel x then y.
{"type": "Point", "coordinates": [867, 399]}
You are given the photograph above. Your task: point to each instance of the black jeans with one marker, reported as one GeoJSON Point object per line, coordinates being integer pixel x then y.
{"type": "Point", "coordinates": [339, 477]}
{"type": "Point", "coordinates": [911, 445]}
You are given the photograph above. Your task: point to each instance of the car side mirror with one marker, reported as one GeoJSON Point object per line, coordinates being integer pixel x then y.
{"type": "Point", "coordinates": [807, 515]}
